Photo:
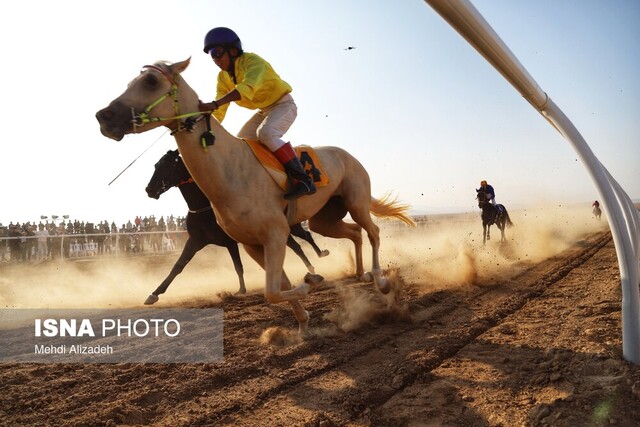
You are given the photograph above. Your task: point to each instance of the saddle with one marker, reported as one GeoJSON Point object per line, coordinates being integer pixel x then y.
{"type": "Point", "coordinates": [306, 154]}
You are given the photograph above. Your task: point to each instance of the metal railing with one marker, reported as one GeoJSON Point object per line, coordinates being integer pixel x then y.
{"type": "Point", "coordinates": [623, 217]}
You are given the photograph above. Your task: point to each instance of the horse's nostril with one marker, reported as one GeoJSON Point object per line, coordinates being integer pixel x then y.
{"type": "Point", "coordinates": [105, 114]}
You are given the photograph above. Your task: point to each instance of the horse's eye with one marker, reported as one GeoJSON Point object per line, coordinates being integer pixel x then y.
{"type": "Point", "coordinates": [151, 80]}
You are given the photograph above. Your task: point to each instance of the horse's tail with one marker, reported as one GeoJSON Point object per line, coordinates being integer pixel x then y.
{"type": "Point", "coordinates": [508, 220]}
{"type": "Point", "coordinates": [385, 207]}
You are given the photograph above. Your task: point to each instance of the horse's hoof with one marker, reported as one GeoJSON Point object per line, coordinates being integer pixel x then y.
{"type": "Point", "coordinates": [303, 331]}
{"type": "Point", "coordinates": [384, 285]}
{"type": "Point", "coordinates": [313, 279]}
{"type": "Point", "coordinates": [303, 328]}
{"type": "Point", "coordinates": [323, 253]}
{"type": "Point", "coordinates": [303, 289]}
{"type": "Point", "coordinates": [151, 299]}
{"type": "Point", "coordinates": [367, 277]}
{"type": "Point", "coordinates": [242, 291]}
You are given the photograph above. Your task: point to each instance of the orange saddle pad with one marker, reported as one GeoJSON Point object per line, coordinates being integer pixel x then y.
{"type": "Point", "coordinates": [307, 156]}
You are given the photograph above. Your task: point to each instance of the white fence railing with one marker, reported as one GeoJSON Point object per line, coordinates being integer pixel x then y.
{"type": "Point", "coordinates": [87, 245]}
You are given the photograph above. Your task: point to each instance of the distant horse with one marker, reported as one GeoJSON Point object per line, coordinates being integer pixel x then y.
{"type": "Point", "coordinates": [497, 215]}
{"type": "Point", "coordinates": [597, 212]}
{"type": "Point", "coordinates": [202, 227]}
{"type": "Point", "coordinates": [248, 204]}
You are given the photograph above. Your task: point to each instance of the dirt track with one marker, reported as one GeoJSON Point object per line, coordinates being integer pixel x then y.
{"type": "Point", "coordinates": [540, 347]}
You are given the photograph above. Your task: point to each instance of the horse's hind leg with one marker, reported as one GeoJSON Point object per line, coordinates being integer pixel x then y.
{"type": "Point", "coordinates": [340, 230]}
{"type": "Point", "coordinates": [295, 247]}
{"type": "Point", "coordinates": [258, 254]}
{"type": "Point", "coordinates": [373, 232]}
{"type": "Point", "coordinates": [360, 209]}
{"type": "Point", "coordinates": [321, 253]}
{"type": "Point", "coordinates": [190, 249]}
{"type": "Point", "coordinates": [298, 231]}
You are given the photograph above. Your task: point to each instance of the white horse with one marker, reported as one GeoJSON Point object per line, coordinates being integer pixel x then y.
{"type": "Point", "coordinates": [247, 202]}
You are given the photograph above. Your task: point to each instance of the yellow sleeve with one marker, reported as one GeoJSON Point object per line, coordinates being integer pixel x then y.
{"type": "Point", "coordinates": [221, 90]}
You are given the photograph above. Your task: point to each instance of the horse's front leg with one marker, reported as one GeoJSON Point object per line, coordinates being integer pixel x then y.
{"type": "Point", "coordinates": [302, 315]}
{"type": "Point", "coordinates": [234, 252]}
{"type": "Point", "coordinates": [484, 234]}
{"type": "Point", "coordinates": [190, 249]}
{"type": "Point", "coordinates": [273, 261]}
{"type": "Point", "coordinates": [278, 287]}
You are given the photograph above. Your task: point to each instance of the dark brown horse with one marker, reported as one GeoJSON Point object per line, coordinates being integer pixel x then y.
{"type": "Point", "coordinates": [597, 212]}
{"type": "Point", "coordinates": [491, 214]}
{"type": "Point", "coordinates": [202, 226]}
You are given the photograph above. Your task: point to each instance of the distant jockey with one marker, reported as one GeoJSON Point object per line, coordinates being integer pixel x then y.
{"type": "Point", "coordinates": [489, 191]}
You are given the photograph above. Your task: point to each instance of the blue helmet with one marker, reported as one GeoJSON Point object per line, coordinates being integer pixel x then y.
{"type": "Point", "coordinates": [222, 36]}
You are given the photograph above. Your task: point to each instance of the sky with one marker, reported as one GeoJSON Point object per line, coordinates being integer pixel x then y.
{"type": "Point", "coordinates": [425, 114]}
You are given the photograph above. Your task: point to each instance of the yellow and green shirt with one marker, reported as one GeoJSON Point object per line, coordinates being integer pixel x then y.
{"type": "Point", "coordinates": [258, 84]}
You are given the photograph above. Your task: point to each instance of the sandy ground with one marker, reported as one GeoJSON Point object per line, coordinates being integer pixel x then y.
{"type": "Point", "coordinates": [522, 333]}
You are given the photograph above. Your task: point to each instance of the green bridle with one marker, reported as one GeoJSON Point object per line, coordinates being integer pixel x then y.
{"type": "Point", "coordinates": [144, 117]}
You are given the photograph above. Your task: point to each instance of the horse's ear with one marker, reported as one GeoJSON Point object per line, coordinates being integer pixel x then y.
{"type": "Point", "coordinates": [179, 67]}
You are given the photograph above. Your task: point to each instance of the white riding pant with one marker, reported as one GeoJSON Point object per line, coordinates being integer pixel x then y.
{"type": "Point", "coordinates": [269, 124]}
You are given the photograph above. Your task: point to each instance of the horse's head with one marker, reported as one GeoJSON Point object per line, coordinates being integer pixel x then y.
{"type": "Point", "coordinates": [170, 171]}
{"type": "Point", "coordinates": [482, 197]}
{"type": "Point", "coordinates": [154, 91]}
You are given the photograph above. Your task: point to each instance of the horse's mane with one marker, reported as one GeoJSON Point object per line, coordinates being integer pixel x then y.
{"type": "Point", "coordinates": [163, 64]}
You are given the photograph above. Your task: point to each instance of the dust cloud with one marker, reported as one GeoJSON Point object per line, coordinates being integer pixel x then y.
{"type": "Point", "coordinates": [280, 337]}
{"type": "Point", "coordinates": [121, 282]}
{"type": "Point", "coordinates": [443, 251]}
{"type": "Point", "coordinates": [448, 250]}
{"type": "Point", "coordinates": [359, 307]}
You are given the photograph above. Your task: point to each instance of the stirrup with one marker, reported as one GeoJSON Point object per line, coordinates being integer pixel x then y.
{"type": "Point", "coordinates": [300, 189]}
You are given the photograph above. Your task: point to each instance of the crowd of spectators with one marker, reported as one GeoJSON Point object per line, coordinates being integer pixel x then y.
{"type": "Point", "coordinates": [47, 240]}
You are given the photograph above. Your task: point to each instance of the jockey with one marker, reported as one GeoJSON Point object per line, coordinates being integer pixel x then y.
{"type": "Point", "coordinates": [250, 81]}
{"type": "Point", "coordinates": [489, 191]}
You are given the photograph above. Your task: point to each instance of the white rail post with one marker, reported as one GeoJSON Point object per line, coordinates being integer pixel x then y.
{"type": "Point", "coordinates": [622, 215]}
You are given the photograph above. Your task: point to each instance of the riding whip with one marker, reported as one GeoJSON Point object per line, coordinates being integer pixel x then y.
{"type": "Point", "coordinates": [134, 160]}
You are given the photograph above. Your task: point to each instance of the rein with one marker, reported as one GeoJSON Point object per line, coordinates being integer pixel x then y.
{"type": "Point", "coordinates": [187, 181]}
{"type": "Point", "coordinates": [164, 187]}
{"type": "Point", "coordinates": [197, 211]}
